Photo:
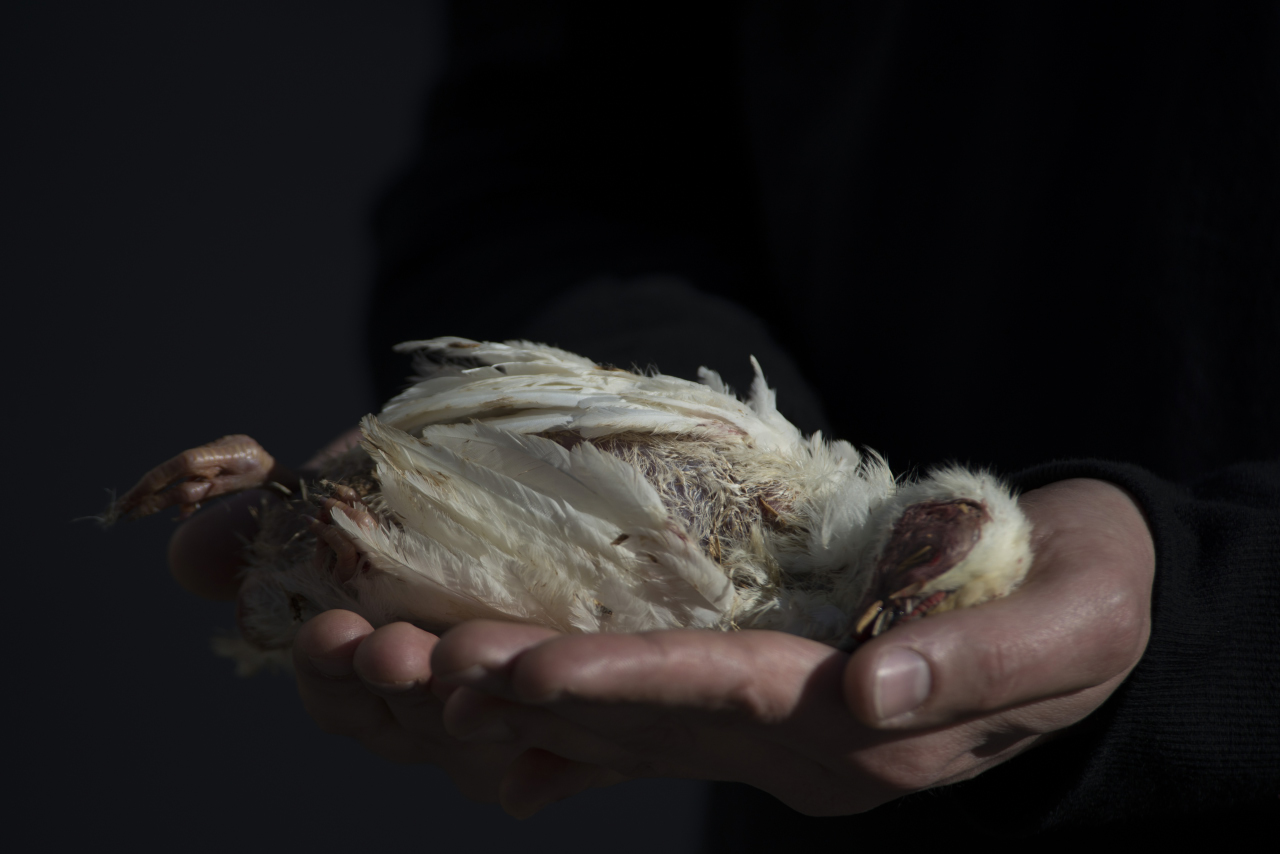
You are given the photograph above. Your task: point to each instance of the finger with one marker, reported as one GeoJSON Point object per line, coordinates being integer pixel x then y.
{"type": "Point", "coordinates": [476, 718]}
{"type": "Point", "coordinates": [394, 664]}
{"type": "Point", "coordinates": [753, 706]}
{"type": "Point", "coordinates": [1078, 624]}
{"type": "Point", "coordinates": [750, 677]}
{"type": "Point", "coordinates": [761, 674]}
{"type": "Point", "coordinates": [558, 691]}
{"type": "Point", "coordinates": [535, 665]}
{"type": "Point", "coordinates": [206, 552]}
{"type": "Point", "coordinates": [472, 716]}
{"type": "Point", "coordinates": [763, 708]}
{"type": "Point", "coordinates": [374, 686]}
{"type": "Point", "coordinates": [632, 740]}
{"type": "Point", "coordinates": [396, 658]}
{"type": "Point", "coordinates": [332, 693]}
{"type": "Point", "coordinates": [607, 743]}
{"type": "Point", "coordinates": [479, 653]}
{"type": "Point", "coordinates": [538, 779]}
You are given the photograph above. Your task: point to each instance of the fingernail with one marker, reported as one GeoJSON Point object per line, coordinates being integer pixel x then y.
{"type": "Point", "coordinates": [902, 682]}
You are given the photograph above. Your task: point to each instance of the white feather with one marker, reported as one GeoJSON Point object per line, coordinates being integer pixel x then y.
{"type": "Point", "coordinates": [518, 481]}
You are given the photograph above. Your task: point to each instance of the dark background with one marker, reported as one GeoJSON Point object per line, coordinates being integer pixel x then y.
{"type": "Point", "coordinates": [185, 196]}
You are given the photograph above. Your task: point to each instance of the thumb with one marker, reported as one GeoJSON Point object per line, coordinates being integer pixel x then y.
{"type": "Point", "coordinates": [1079, 623]}
{"type": "Point", "coordinates": [207, 551]}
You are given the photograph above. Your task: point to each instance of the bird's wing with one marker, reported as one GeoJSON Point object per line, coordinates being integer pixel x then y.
{"type": "Point", "coordinates": [489, 521]}
{"type": "Point", "coordinates": [532, 388]}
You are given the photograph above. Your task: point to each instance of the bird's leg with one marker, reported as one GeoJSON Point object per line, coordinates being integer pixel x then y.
{"type": "Point", "coordinates": [227, 465]}
{"type": "Point", "coordinates": [334, 547]}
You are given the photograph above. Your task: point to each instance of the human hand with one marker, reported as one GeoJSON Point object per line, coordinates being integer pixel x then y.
{"type": "Point", "coordinates": [825, 732]}
{"type": "Point", "coordinates": [347, 686]}
{"type": "Point", "coordinates": [375, 687]}
{"type": "Point", "coordinates": [800, 720]}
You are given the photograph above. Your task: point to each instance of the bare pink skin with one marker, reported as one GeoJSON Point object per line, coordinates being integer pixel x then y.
{"type": "Point", "coordinates": [335, 550]}
{"type": "Point", "coordinates": [928, 540]}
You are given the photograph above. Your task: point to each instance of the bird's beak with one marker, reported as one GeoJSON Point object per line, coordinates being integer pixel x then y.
{"type": "Point", "coordinates": [873, 621]}
{"type": "Point", "coordinates": [903, 606]}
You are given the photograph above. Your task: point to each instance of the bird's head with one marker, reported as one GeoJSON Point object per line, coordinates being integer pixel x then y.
{"type": "Point", "coordinates": [940, 555]}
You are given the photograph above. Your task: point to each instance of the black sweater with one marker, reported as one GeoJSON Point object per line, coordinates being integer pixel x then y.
{"type": "Point", "coordinates": [1041, 238]}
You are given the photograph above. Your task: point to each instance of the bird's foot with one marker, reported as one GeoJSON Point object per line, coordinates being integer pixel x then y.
{"type": "Point", "coordinates": [227, 465]}
{"type": "Point", "coordinates": [335, 549]}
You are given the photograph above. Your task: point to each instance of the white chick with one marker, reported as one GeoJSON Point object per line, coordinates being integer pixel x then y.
{"type": "Point", "coordinates": [521, 482]}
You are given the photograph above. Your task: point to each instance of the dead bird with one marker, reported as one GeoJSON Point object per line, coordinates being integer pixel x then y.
{"type": "Point", "coordinates": [522, 482]}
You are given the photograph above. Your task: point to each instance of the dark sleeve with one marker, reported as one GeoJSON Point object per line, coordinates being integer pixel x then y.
{"type": "Point", "coordinates": [1191, 735]}
{"type": "Point", "coordinates": [580, 184]}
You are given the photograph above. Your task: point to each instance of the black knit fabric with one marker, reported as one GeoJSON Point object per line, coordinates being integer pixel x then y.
{"type": "Point", "coordinates": [1035, 232]}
